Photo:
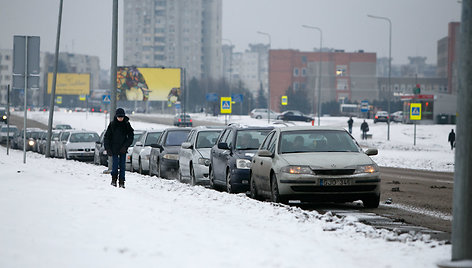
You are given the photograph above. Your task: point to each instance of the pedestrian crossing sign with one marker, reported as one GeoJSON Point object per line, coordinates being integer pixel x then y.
{"type": "Point", "coordinates": [225, 105]}
{"type": "Point", "coordinates": [415, 111]}
{"type": "Point", "coordinates": [284, 100]}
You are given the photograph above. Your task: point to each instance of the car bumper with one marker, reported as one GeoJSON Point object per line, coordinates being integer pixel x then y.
{"type": "Point", "coordinates": [314, 188]}
{"type": "Point", "coordinates": [80, 155]}
{"type": "Point", "coordinates": [240, 179]}
{"type": "Point", "coordinates": [201, 173]}
{"type": "Point", "coordinates": [169, 168]}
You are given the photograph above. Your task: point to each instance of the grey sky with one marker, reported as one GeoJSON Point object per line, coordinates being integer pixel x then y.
{"type": "Point", "coordinates": [86, 26]}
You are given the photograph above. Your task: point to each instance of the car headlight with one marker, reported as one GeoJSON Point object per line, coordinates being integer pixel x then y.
{"type": "Point", "coordinates": [366, 169]}
{"type": "Point", "coordinates": [30, 143]}
{"type": "Point", "coordinates": [204, 161]}
{"type": "Point", "coordinates": [171, 156]}
{"type": "Point", "coordinates": [243, 163]}
{"type": "Point", "coordinates": [297, 170]}
{"type": "Point", "coordinates": [4, 117]}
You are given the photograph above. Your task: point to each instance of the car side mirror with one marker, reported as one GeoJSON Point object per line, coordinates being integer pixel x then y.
{"type": "Point", "coordinates": [155, 145]}
{"type": "Point", "coordinates": [223, 145]}
{"type": "Point", "coordinates": [98, 142]}
{"type": "Point", "coordinates": [187, 145]}
{"type": "Point", "coordinates": [265, 153]}
{"type": "Point", "coordinates": [371, 151]}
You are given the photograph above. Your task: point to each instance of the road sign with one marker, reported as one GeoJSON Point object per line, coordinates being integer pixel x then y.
{"type": "Point", "coordinates": [82, 97]}
{"type": "Point", "coordinates": [415, 111]}
{"type": "Point", "coordinates": [26, 48]}
{"type": "Point", "coordinates": [212, 97]}
{"type": "Point", "coordinates": [225, 105]}
{"type": "Point", "coordinates": [284, 100]}
{"type": "Point", "coordinates": [237, 97]}
{"type": "Point", "coordinates": [59, 99]}
{"type": "Point", "coordinates": [364, 106]}
{"type": "Point", "coordinates": [106, 99]}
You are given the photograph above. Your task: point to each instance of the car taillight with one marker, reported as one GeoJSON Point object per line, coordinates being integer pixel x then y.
{"type": "Point", "coordinates": [376, 117]}
{"type": "Point", "coordinates": [180, 120]}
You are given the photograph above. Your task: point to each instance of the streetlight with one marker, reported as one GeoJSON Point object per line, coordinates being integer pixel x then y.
{"type": "Point", "coordinates": [319, 73]}
{"type": "Point", "coordinates": [389, 66]}
{"type": "Point", "coordinates": [268, 76]}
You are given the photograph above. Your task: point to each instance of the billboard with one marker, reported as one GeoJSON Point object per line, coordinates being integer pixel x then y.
{"type": "Point", "coordinates": [70, 84]}
{"type": "Point", "coordinates": [154, 84]}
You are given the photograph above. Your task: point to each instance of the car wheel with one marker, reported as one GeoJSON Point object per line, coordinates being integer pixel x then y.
{"type": "Point", "coordinates": [274, 189]}
{"type": "Point", "coordinates": [258, 117]}
{"type": "Point", "coordinates": [254, 194]}
{"type": "Point", "coordinates": [229, 187]}
{"type": "Point", "coordinates": [158, 170]}
{"type": "Point", "coordinates": [371, 201]}
{"type": "Point", "coordinates": [212, 179]}
{"type": "Point", "coordinates": [180, 176]}
{"type": "Point", "coordinates": [66, 156]}
{"type": "Point", "coordinates": [140, 166]}
{"type": "Point", "coordinates": [95, 160]}
{"type": "Point", "coordinates": [193, 180]}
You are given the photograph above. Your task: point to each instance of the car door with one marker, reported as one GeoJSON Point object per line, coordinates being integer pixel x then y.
{"type": "Point", "coordinates": [138, 146]}
{"type": "Point", "coordinates": [218, 157]}
{"type": "Point", "coordinates": [154, 156]}
{"type": "Point", "coordinates": [185, 155]}
{"type": "Point", "coordinates": [256, 167]}
{"type": "Point", "coordinates": [267, 163]}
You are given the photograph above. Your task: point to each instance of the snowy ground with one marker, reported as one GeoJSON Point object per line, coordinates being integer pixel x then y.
{"type": "Point", "coordinates": [59, 213]}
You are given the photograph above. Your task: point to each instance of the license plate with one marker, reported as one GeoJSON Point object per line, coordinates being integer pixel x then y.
{"type": "Point", "coordinates": [334, 182]}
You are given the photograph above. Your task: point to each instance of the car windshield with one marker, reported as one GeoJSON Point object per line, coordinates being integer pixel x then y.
{"type": "Point", "coordinates": [152, 138]}
{"type": "Point", "coordinates": [206, 139]}
{"type": "Point", "coordinates": [84, 137]}
{"type": "Point", "coordinates": [250, 139]}
{"type": "Point", "coordinates": [63, 127]}
{"type": "Point", "coordinates": [12, 129]}
{"type": "Point", "coordinates": [316, 141]}
{"type": "Point", "coordinates": [176, 138]}
{"type": "Point", "coordinates": [136, 138]}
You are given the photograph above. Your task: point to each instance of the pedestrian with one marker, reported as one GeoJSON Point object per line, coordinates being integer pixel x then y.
{"type": "Point", "coordinates": [118, 137]}
{"type": "Point", "coordinates": [452, 139]}
{"type": "Point", "coordinates": [349, 123]}
{"type": "Point", "coordinates": [365, 129]}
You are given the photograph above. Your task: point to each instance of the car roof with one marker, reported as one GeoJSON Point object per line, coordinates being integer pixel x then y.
{"type": "Point", "coordinates": [297, 128]}
{"type": "Point", "coordinates": [239, 126]}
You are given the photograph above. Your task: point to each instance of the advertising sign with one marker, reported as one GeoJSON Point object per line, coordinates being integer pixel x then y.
{"type": "Point", "coordinates": [154, 84]}
{"type": "Point", "coordinates": [70, 84]}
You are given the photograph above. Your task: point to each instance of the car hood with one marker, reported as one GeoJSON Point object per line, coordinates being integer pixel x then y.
{"type": "Point", "coordinates": [328, 160]}
{"type": "Point", "coordinates": [205, 152]}
{"type": "Point", "coordinates": [246, 154]}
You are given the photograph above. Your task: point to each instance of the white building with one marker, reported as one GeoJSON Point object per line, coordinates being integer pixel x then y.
{"type": "Point", "coordinates": [6, 69]}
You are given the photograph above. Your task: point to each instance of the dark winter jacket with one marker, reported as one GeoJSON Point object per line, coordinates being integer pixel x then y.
{"type": "Point", "coordinates": [118, 137]}
{"type": "Point", "coordinates": [349, 122]}
{"type": "Point", "coordinates": [452, 137]}
{"type": "Point", "coordinates": [364, 127]}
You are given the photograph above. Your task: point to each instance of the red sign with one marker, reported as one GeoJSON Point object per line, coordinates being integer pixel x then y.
{"type": "Point", "coordinates": [420, 96]}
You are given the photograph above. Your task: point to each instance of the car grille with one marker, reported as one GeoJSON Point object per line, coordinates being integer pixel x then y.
{"type": "Point", "coordinates": [334, 171]}
{"type": "Point", "coordinates": [351, 188]}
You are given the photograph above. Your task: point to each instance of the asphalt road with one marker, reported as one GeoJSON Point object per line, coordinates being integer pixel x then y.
{"type": "Point", "coordinates": [417, 200]}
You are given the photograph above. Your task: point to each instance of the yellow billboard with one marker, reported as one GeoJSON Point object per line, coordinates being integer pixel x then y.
{"type": "Point", "coordinates": [155, 84]}
{"type": "Point", "coordinates": [70, 84]}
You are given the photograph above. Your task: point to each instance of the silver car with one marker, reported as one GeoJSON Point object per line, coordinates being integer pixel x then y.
{"type": "Point", "coordinates": [80, 145]}
{"type": "Point", "coordinates": [142, 151]}
{"type": "Point", "coordinates": [10, 130]}
{"type": "Point", "coordinates": [194, 155]}
{"type": "Point", "coordinates": [314, 164]}
{"type": "Point", "coordinates": [137, 136]}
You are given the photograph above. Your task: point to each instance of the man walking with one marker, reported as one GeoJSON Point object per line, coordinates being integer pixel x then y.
{"type": "Point", "coordinates": [365, 129]}
{"type": "Point", "coordinates": [118, 137]}
{"type": "Point", "coordinates": [349, 124]}
{"type": "Point", "coordinates": [452, 138]}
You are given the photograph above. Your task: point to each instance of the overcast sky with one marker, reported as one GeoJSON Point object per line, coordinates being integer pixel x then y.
{"type": "Point", "coordinates": [86, 26]}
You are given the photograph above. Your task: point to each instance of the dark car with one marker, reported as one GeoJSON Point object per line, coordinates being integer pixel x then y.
{"type": "Point", "coordinates": [182, 120]}
{"type": "Point", "coordinates": [164, 157]}
{"type": "Point", "coordinates": [381, 116]}
{"type": "Point", "coordinates": [294, 116]}
{"type": "Point", "coordinates": [230, 158]}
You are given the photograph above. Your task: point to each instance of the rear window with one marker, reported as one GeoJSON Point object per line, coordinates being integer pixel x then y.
{"type": "Point", "coordinates": [176, 138]}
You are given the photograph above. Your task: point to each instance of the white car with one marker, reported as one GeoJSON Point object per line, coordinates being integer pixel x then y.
{"type": "Point", "coordinates": [194, 155]}
{"type": "Point", "coordinates": [397, 116]}
{"type": "Point", "coordinates": [137, 136]}
{"type": "Point", "coordinates": [262, 113]}
{"type": "Point", "coordinates": [142, 151]}
{"type": "Point", "coordinates": [60, 142]}
{"type": "Point", "coordinates": [80, 145]}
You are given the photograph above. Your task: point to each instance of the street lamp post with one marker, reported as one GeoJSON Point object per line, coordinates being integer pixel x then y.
{"type": "Point", "coordinates": [389, 66]}
{"type": "Point", "coordinates": [268, 76]}
{"type": "Point", "coordinates": [319, 73]}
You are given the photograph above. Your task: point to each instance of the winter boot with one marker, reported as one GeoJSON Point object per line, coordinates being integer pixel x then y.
{"type": "Point", "coordinates": [113, 179]}
{"type": "Point", "coordinates": [122, 183]}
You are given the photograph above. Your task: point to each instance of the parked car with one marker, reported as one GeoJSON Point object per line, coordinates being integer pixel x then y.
{"type": "Point", "coordinates": [54, 138]}
{"type": "Point", "coordinates": [142, 151]}
{"type": "Point", "coordinates": [182, 120]}
{"type": "Point", "coordinates": [262, 113]}
{"type": "Point", "coordinates": [40, 140]}
{"type": "Point", "coordinates": [164, 157]}
{"type": "Point", "coordinates": [230, 158]}
{"type": "Point", "coordinates": [3, 115]}
{"type": "Point", "coordinates": [194, 156]}
{"type": "Point", "coordinates": [31, 135]}
{"type": "Point", "coordinates": [137, 136]}
{"type": "Point", "coordinates": [6, 131]}
{"type": "Point", "coordinates": [99, 155]}
{"type": "Point", "coordinates": [308, 164]}
{"type": "Point", "coordinates": [60, 142]}
{"type": "Point", "coordinates": [80, 145]}
{"type": "Point", "coordinates": [292, 115]}
{"type": "Point", "coordinates": [381, 116]}
{"type": "Point", "coordinates": [63, 126]}
{"type": "Point", "coordinates": [397, 116]}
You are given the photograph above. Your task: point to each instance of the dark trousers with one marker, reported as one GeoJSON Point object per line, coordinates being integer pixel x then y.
{"type": "Point", "coordinates": [350, 129]}
{"type": "Point", "coordinates": [119, 160]}
{"type": "Point", "coordinates": [452, 144]}
{"type": "Point", "coordinates": [364, 135]}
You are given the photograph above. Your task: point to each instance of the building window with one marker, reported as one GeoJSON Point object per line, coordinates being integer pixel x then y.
{"type": "Point", "coordinates": [341, 70]}
{"type": "Point", "coordinates": [304, 59]}
{"type": "Point", "coordinates": [295, 86]}
{"type": "Point", "coordinates": [304, 71]}
{"type": "Point", "coordinates": [296, 72]}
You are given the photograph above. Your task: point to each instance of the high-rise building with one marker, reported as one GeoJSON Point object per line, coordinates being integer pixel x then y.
{"type": "Point", "coordinates": [174, 33]}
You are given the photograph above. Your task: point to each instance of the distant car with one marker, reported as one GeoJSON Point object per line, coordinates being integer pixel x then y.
{"type": "Point", "coordinates": [80, 145]}
{"type": "Point", "coordinates": [194, 156]}
{"type": "Point", "coordinates": [63, 126]}
{"type": "Point", "coordinates": [308, 164]}
{"type": "Point", "coordinates": [142, 151]}
{"type": "Point", "coordinates": [397, 116]}
{"type": "Point", "coordinates": [164, 158]}
{"type": "Point", "coordinates": [137, 136]}
{"type": "Point", "coordinates": [54, 138]}
{"type": "Point", "coordinates": [99, 155]}
{"type": "Point", "coordinates": [182, 120]}
{"type": "Point", "coordinates": [262, 114]}
{"type": "Point", "coordinates": [3, 115]}
{"type": "Point", "coordinates": [11, 131]}
{"type": "Point", "coordinates": [40, 140]}
{"type": "Point", "coordinates": [293, 115]}
{"type": "Point", "coordinates": [381, 116]}
{"type": "Point", "coordinates": [230, 158]}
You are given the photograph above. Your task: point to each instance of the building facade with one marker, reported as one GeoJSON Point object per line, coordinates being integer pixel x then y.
{"type": "Point", "coordinates": [448, 48]}
{"type": "Point", "coordinates": [168, 33]}
{"type": "Point", "coordinates": [6, 69]}
{"type": "Point", "coordinates": [344, 76]}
